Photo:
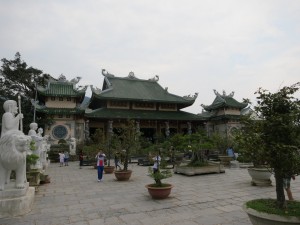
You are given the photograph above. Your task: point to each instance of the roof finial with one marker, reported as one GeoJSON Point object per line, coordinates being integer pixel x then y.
{"type": "Point", "coordinates": [131, 75]}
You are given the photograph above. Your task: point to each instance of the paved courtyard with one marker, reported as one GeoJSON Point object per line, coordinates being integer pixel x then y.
{"type": "Point", "coordinates": [75, 197]}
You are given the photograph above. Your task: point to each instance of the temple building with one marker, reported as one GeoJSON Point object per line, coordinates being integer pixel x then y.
{"type": "Point", "coordinates": [223, 115]}
{"type": "Point", "coordinates": [155, 111]}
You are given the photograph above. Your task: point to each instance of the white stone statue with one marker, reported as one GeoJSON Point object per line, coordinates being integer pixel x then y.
{"type": "Point", "coordinates": [9, 120]}
{"type": "Point", "coordinates": [37, 138]}
{"type": "Point", "coordinates": [44, 148]}
{"type": "Point", "coordinates": [40, 132]}
{"type": "Point", "coordinates": [13, 149]}
{"type": "Point", "coordinates": [33, 128]}
{"type": "Point", "coordinates": [72, 146]}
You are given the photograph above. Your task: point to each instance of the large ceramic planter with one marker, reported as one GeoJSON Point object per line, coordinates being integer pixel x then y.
{"type": "Point", "coordinates": [260, 176]}
{"type": "Point", "coordinates": [109, 169]}
{"type": "Point", "coordinates": [123, 175]}
{"type": "Point", "coordinates": [259, 218]}
{"type": "Point", "coordinates": [159, 192]}
{"type": "Point", "coordinates": [225, 159]}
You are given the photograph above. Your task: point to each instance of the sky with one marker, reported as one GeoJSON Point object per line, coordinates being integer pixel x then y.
{"type": "Point", "coordinates": [194, 46]}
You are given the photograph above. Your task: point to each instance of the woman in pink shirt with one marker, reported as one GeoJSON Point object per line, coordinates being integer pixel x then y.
{"type": "Point", "coordinates": [100, 164]}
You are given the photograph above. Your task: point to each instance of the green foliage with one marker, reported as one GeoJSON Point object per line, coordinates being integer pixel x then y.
{"type": "Point", "coordinates": [62, 142]}
{"type": "Point", "coordinates": [16, 77]}
{"type": "Point", "coordinates": [32, 145]}
{"type": "Point", "coordinates": [90, 151]}
{"type": "Point", "coordinates": [159, 176]}
{"type": "Point", "coordinates": [292, 208]}
{"type": "Point", "coordinates": [274, 139]}
{"type": "Point", "coordinates": [197, 163]}
{"type": "Point", "coordinates": [31, 160]}
{"type": "Point", "coordinates": [127, 138]}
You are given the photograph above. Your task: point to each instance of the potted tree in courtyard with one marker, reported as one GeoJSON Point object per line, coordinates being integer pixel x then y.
{"type": "Point", "coordinates": [128, 137]}
{"type": "Point", "coordinates": [159, 190]}
{"type": "Point", "coordinates": [274, 141]}
{"type": "Point", "coordinates": [199, 144]}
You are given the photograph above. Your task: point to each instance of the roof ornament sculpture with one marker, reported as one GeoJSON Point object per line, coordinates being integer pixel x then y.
{"type": "Point", "coordinates": [131, 75]}
{"type": "Point", "coordinates": [191, 97]}
{"type": "Point", "coordinates": [155, 78]}
{"type": "Point", "coordinates": [62, 78]}
{"type": "Point", "coordinates": [96, 90]}
{"type": "Point", "coordinates": [223, 94]}
{"type": "Point", "coordinates": [75, 80]}
{"type": "Point", "coordinates": [105, 73]}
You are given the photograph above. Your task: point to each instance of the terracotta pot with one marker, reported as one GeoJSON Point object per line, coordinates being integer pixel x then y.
{"type": "Point", "coordinates": [159, 192]}
{"type": "Point", "coordinates": [122, 175]}
{"type": "Point", "coordinates": [109, 169]}
{"type": "Point", "coordinates": [258, 218]}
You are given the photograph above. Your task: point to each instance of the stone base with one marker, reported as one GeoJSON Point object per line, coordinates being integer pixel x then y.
{"type": "Point", "coordinates": [16, 202]}
{"type": "Point", "coordinates": [190, 171]}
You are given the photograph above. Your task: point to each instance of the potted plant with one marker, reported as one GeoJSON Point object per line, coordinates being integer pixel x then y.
{"type": "Point", "coordinates": [274, 141]}
{"type": "Point", "coordinates": [33, 175]}
{"type": "Point", "coordinates": [199, 145]}
{"type": "Point", "coordinates": [251, 149]}
{"type": "Point", "coordinates": [128, 137]}
{"type": "Point", "coordinates": [158, 189]}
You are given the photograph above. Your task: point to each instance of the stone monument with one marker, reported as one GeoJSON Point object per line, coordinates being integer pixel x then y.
{"type": "Point", "coordinates": [16, 197]}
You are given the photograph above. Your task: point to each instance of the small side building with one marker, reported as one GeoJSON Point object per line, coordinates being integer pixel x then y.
{"type": "Point", "coordinates": [61, 102]}
{"type": "Point", "coordinates": [223, 114]}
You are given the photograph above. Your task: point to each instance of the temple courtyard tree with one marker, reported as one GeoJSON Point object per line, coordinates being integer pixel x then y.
{"type": "Point", "coordinates": [273, 140]}
{"type": "Point", "coordinates": [17, 78]}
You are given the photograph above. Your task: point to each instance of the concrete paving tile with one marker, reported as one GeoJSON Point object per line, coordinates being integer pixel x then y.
{"type": "Point", "coordinates": [228, 208]}
{"type": "Point", "coordinates": [75, 197]}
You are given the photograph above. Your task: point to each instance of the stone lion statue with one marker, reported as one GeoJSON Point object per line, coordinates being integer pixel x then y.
{"type": "Point", "coordinates": [13, 149]}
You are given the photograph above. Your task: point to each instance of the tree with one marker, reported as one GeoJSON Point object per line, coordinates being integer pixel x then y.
{"type": "Point", "coordinates": [129, 138]}
{"type": "Point", "coordinates": [17, 78]}
{"type": "Point", "coordinates": [274, 139]}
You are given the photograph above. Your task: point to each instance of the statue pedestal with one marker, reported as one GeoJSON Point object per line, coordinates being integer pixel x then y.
{"type": "Point", "coordinates": [16, 202]}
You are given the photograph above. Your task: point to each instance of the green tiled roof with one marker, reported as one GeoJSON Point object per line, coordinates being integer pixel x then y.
{"type": "Point", "coordinates": [134, 89]}
{"type": "Point", "coordinates": [59, 88]}
{"type": "Point", "coordinates": [224, 101]}
{"type": "Point", "coordinates": [105, 113]}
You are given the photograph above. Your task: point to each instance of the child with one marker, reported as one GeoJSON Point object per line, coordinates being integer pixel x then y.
{"type": "Point", "coordinates": [61, 158]}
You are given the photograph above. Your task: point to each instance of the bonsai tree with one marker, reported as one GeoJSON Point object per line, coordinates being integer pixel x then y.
{"type": "Point", "coordinates": [158, 176]}
{"type": "Point", "coordinates": [273, 140]}
{"type": "Point", "coordinates": [129, 141]}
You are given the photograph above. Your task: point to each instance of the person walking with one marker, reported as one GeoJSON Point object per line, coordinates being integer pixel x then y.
{"type": "Point", "coordinates": [117, 160]}
{"type": "Point", "coordinates": [230, 152]}
{"type": "Point", "coordinates": [66, 159]}
{"type": "Point", "coordinates": [156, 160]}
{"type": "Point", "coordinates": [80, 160]}
{"type": "Point", "coordinates": [287, 186]}
{"type": "Point", "coordinates": [100, 165]}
